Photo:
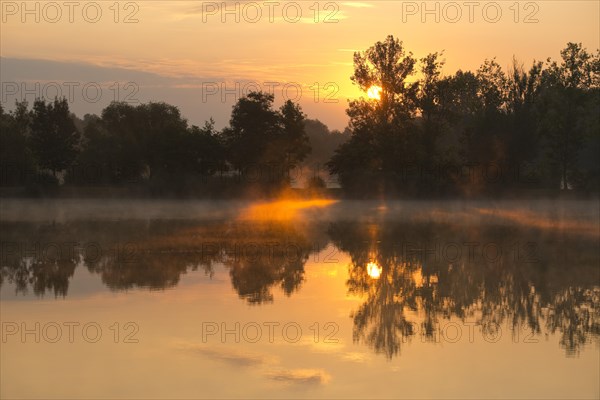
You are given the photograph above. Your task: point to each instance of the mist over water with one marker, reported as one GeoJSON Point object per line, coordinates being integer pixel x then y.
{"type": "Point", "coordinates": [551, 212]}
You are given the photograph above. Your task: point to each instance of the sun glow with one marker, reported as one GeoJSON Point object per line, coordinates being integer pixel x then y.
{"type": "Point", "coordinates": [373, 270]}
{"type": "Point", "coordinates": [374, 92]}
{"type": "Point", "coordinates": [283, 209]}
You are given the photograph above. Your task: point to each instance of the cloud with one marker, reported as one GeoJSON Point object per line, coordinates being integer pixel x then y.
{"type": "Point", "coordinates": [300, 376]}
{"type": "Point", "coordinates": [51, 70]}
{"type": "Point", "coordinates": [250, 11]}
{"type": "Point", "coordinates": [355, 357]}
{"type": "Point", "coordinates": [188, 85]}
{"type": "Point", "coordinates": [227, 355]}
{"type": "Point", "coordinates": [244, 359]}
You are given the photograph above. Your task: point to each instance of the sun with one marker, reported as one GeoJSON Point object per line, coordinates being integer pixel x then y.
{"type": "Point", "coordinates": [373, 270]}
{"type": "Point", "coordinates": [374, 92]}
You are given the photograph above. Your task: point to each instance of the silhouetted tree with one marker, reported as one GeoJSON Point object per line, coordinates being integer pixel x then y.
{"type": "Point", "coordinates": [147, 142]}
{"type": "Point", "coordinates": [16, 161]}
{"type": "Point", "coordinates": [206, 152]}
{"type": "Point", "coordinates": [381, 135]}
{"type": "Point", "coordinates": [292, 145]}
{"type": "Point", "coordinates": [521, 142]}
{"type": "Point", "coordinates": [54, 138]}
{"type": "Point", "coordinates": [260, 136]}
{"type": "Point", "coordinates": [112, 146]}
{"type": "Point", "coordinates": [531, 128]}
{"type": "Point", "coordinates": [253, 123]}
{"type": "Point", "coordinates": [568, 111]}
{"type": "Point", "coordinates": [427, 137]}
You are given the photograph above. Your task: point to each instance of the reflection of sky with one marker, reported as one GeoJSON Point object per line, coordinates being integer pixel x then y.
{"type": "Point", "coordinates": [171, 360]}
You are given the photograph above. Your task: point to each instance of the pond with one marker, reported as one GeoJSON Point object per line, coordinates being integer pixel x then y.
{"type": "Point", "coordinates": [300, 298]}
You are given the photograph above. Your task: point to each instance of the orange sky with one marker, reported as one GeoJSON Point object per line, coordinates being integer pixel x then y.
{"type": "Point", "coordinates": [187, 46]}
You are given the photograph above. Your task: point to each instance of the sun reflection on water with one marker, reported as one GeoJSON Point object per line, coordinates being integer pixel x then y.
{"type": "Point", "coordinates": [374, 270]}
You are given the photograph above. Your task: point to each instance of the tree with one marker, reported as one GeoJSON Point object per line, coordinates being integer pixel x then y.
{"type": "Point", "coordinates": [567, 109]}
{"type": "Point", "coordinates": [433, 123]}
{"type": "Point", "coordinates": [387, 65]}
{"type": "Point", "coordinates": [521, 139]}
{"type": "Point", "coordinates": [492, 86]}
{"type": "Point", "coordinates": [293, 145]}
{"type": "Point", "coordinates": [163, 134]}
{"type": "Point", "coordinates": [113, 149]}
{"type": "Point", "coordinates": [260, 136]}
{"type": "Point", "coordinates": [483, 142]}
{"type": "Point", "coordinates": [128, 144]}
{"type": "Point", "coordinates": [429, 93]}
{"type": "Point", "coordinates": [253, 124]}
{"type": "Point", "coordinates": [383, 138]}
{"type": "Point", "coordinates": [54, 138]}
{"type": "Point", "coordinates": [459, 105]}
{"type": "Point", "coordinates": [16, 161]}
{"type": "Point", "coordinates": [205, 153]}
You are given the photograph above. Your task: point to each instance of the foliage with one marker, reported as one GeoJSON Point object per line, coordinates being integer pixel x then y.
{"type": "Point", "coordinates": [53, 136]}
{"type": "Point", "coordinates": [489, 131]}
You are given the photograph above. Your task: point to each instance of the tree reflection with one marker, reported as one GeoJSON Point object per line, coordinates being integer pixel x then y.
{"type": "Point", "coordinates": [29, 264]}
{"type": "Point", "coordinates": [41, 275]}
{"type": "Point", "coordinates": [154, 255]}
{"type": "Point", "coordinates": [421, 284]}
{"type": "Point", "coordinates": [263, 255]}
{"type": "Point", "coordinates": [412, 274]}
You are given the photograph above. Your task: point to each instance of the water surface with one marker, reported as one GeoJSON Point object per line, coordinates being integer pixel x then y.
{"type": "Point", "coordinates": [288, 299]}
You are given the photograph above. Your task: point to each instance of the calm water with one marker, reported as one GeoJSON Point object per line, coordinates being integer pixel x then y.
{"type": "Point", "coordinates": [184, 299]}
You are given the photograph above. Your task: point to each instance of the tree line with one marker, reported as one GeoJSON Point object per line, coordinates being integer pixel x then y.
{"type": "Point", "coordinates": [487, 131]}
{"type": "Point", "coordinates": [150, 143]}
{"type": "Point", "coordinates": [428, 134]}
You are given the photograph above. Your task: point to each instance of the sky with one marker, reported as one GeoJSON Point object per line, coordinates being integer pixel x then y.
{"type": "Point", "coordinates": [201, 56]}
